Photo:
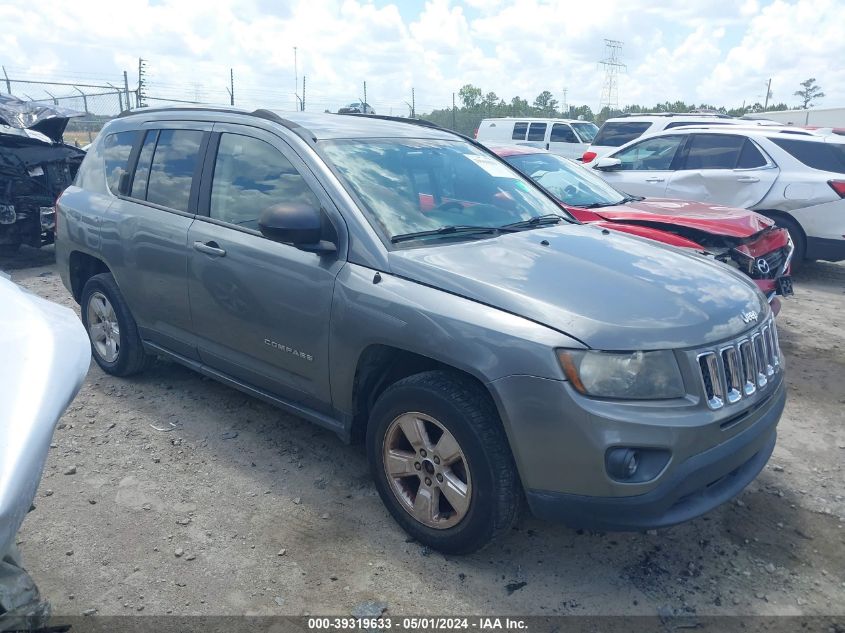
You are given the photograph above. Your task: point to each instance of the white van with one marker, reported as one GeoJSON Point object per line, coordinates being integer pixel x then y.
{"type": "Point", "coordinates": [566, 137]}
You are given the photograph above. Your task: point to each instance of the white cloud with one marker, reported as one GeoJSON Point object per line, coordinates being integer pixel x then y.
{"type": "Point", "coordinates": [704, 52]}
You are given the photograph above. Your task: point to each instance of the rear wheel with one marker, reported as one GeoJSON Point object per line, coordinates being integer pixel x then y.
{"type": "Point", "coordinates": [441, 462]}
{"type": "Point", "coordinates": [115, 342]}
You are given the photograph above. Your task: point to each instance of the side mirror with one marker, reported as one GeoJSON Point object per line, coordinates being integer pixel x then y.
{"type": "Point", "coordinates": [606, 163]}
{"type": "Point", "coordinates": [296, 223]}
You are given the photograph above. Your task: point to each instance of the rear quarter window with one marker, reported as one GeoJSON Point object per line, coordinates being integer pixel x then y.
{"type": "Point", "coordinates": [815, 154]}
{"type": "Point", "coordinates": [616, 133]}
{"type": "Point", "coordinates": [116, 150]}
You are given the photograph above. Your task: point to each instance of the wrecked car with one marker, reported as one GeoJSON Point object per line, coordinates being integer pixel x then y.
{"type": "Point", "coordinates": [46, 356]}
{"type": "Point", "coordinates": [35, 167]}
{"type": "Point", "coordinates": [740, 238]}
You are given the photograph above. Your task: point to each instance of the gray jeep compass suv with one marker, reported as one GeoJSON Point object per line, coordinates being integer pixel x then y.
{"type": "Point", "coordinates": [401, 285]}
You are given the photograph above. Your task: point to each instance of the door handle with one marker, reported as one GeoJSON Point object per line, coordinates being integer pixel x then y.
{"type": "Point", "coordinates": [748, 179]}
{"type": "Point", "coordinates": [209, 248]}
{"type": "Point", "coordinates": [654, 179]}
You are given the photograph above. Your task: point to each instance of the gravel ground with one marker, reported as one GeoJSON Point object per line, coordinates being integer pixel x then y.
{"type": "Point", "coordinates": [188, 497]}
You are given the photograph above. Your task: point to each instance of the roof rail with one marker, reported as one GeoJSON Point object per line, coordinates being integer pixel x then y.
{"type": "Point", "coordinates": [398, 119]}
{"type": "Point", "coordinates": [671, 114]}
{"type": "Point", "coordinates": [260, 113]}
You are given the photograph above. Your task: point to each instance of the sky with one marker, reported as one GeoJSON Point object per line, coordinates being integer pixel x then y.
{"type": "Point", "coordinates": [713, 52]}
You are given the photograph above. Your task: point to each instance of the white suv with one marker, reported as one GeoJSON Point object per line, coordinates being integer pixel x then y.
{"type": "Point", "coordinates": [628, 127]}
{"type": "Point", "coordinates": [794, 176]}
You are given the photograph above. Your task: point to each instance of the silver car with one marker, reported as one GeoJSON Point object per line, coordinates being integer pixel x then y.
{"type": "Point", "coordinates": [403, 286]}
{"type": "Point", "coordinates": [45, 358]}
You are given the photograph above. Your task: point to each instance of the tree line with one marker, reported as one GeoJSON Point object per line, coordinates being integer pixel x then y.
{"type": "Point", "coordinates": [473, 105]}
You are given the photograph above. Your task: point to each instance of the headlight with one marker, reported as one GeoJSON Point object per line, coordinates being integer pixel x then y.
{"type": "Point", "coordinates": [629, 376]}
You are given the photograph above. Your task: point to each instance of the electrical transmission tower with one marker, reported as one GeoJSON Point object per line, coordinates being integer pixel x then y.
{"type": "Point", "coordinates": [612, 67]}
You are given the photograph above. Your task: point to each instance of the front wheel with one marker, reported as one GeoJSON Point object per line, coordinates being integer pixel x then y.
{"type": "Point", "coordinates": [441, 462]}
{"type": "Point", "coordinates": [799, 241]}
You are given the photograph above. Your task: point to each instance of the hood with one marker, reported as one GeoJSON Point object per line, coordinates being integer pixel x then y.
{"type": "Point", "coordinates": [49, 120]}
{"type": "Point", "coordinates": [713, 219]}
{"type": "Point", "coordinates": [606, 289]}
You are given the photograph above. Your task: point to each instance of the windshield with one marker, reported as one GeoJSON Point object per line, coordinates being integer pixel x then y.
{"type": "Point", "coordinates": [420, 185]}
{"type": "Point", "coordinates": [587, 131]}
{"type": "Point", "coordinates": [570, 183]}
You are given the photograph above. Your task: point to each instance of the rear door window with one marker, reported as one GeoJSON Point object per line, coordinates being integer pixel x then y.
{"type": "Point", "coordinates": [537, 132]}
{"type": "Point", "coordinates": [519, 130]}
{"type": "Point", "coordinates": [652, 154]}
{"type": "Point", "coordinates": [172, 170]}
{"type": "Point", "coordinates": [116, 150]}
{"type": "Point", "coordinates": [714, 151]}
{"type": "Point", "coordinates": [562, 133]}
{"type": "Point", "coordinates": [251, 175]}
{"type": "Point", "coordinates": [815, 154]}
{"type": "Point", "coordinates": [616, 133]}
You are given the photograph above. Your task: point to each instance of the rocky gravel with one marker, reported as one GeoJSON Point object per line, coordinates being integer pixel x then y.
{"type": "Point", "coordinates": [169, 493]}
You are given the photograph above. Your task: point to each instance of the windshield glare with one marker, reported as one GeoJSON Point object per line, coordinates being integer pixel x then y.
{"type": "Point", "coordinates": [411, 185]}
{"type": "Point", "coordinates": [587, 131]}
{"type": "Point", "coordinates": [570, 183]}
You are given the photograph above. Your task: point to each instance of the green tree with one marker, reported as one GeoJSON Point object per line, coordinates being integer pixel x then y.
{"type": "Point", "coordinates": [546, 103]}
{"type": "Point", "coordinates": [470, 96]}
{"type": "Point", "coordinates": [519, 107]}
{"type": "Point", "coordinates": [810, 92]}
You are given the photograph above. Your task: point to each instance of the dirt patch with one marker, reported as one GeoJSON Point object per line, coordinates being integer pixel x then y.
{"type": "Point", "coordinates": [191, 498]}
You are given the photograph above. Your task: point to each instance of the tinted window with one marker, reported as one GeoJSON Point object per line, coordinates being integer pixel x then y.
{"type": "Point", "coordinates": [714, 151]}
{"type": "Point", "coordinates": [173, 166]}
{"type": "Point", "coordinates": [751, 157]}
{"type": "Point", "coordinates": [815, 154]}
{"type": "Point", "coordinates": [519, 130]}
{"type": "Point", "coordinates": [116, 150]}
{"type": "Point", "coordinates": [614, 134]}
{"type": "Point", "coordinates": [251, 175]}
{"type": "Point", "coordinates": [142, 171]}
{"type": "Point", "coordinates": [537, 132]}
{"type": "Point", "coordinates": [562, 133]}
{"type": "Point", "coordinates": [653, 154]}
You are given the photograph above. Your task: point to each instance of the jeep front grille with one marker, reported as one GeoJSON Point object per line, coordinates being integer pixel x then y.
{"type": "Point", "coordinates": [737, 370]}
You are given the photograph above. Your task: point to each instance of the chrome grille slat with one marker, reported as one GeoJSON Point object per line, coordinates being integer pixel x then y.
{"type": "Point", "coordinates": [740, 368]}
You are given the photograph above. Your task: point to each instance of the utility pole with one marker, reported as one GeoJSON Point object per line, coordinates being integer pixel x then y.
{"type": "Point", "coordinates": [231, 88]}
{"type": "Point", "coordinates": [365, 106]}
{"type": "Point", "coordinates": [612, 67]}
{"type": "Point", "coordinates": [768, 94]}
{"type": "Point", "coordinates": [563, 106]}
{"type": "Point", "coordinates": [141, 83]}
{"type": "Point", "coordinates": [126, 89]}
{"type": "Point", "coordinates": [413, 105]}
{"type": "Point", "coordinates": [454, 124]}
{"type": "Point", "coordinates": [303, 93]}
{"type": "Point", "coordinates": [8, 83]}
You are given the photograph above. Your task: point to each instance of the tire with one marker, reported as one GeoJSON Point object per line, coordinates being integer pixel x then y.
{"type": "Point", "coordinates": [103, 308]}
{"type": "Point", "coordinates": [799, 240]}
{"type": "Point", "coordinates": [7, 250]}
{"type": "Point", "coordinates": [450, 407]}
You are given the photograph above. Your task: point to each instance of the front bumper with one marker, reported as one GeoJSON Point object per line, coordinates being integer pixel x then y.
{"type": "Point", "coordinates": [698, 485]}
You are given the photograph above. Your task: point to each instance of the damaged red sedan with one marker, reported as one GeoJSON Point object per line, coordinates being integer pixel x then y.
{"type": "Point", "coordinates": [738, 237]}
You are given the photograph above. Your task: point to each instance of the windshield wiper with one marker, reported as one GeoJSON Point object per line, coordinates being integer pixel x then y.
{"type": "Point", "coordinates": [632, 199]}
{"type": "Point", "coordinates": [450, 230]}
{"type": "Point", "coordinates": [599, 205]}
{"type": "Point", "coordinates": [540, 220]}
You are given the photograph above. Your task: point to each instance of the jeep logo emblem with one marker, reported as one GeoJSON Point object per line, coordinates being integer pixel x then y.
{"type": "Point", "coordinates": [749, 316]}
